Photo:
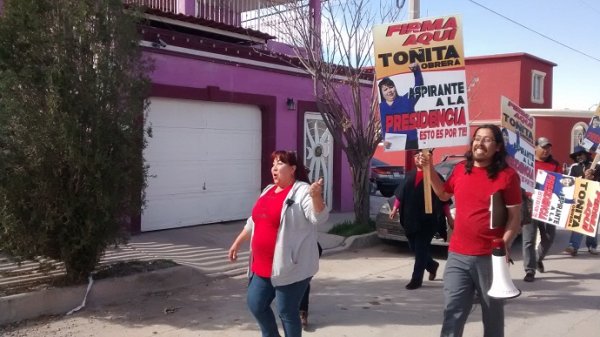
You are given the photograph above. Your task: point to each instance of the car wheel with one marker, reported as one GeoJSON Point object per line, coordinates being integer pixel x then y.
{"type": "Point", "coordinates": [386, 192]}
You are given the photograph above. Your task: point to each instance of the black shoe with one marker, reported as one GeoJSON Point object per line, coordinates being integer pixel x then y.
{"type": "Point", "coordinates": [540, 267]}
{"type": "Point", "coordinates": [529, 277]}
{"type": "Point", "coordinates": [413, 284]}
{"type": "Point", "coordinates": [433, 272]}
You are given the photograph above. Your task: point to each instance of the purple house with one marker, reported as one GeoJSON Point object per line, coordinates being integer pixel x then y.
{"type": "Point", "coordinates": [222, 100]}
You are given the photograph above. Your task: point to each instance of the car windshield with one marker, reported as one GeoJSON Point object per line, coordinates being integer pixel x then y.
{"type": "Point", "coordinates": [376, 162]}
{"type": "Point", "coordinates": [445, 168]}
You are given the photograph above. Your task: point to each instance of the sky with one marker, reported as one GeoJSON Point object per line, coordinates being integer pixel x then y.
{"type": "Point", "coordinates": [574, 23]}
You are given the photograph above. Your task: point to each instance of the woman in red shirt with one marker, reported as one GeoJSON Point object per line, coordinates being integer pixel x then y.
{"type": "Point", "coordinates": [284, 254]}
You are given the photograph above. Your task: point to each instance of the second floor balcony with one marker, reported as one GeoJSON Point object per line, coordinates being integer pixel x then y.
{"type": "Point", "coordinates": [261, 15]}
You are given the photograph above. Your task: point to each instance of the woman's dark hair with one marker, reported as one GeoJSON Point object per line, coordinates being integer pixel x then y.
{"type": "Point", "coordinates": [289, 157]}
{"type": "Point", "coordinates": [567, 181]}
{"type": "Point", "coordinates": [388, 83]}
{"type": "Point", "coordinates": [498, 161]}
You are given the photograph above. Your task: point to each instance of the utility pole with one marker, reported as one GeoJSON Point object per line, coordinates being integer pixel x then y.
{"type": "Point", "coordinates": [414, 9]}
{"type": "Point", "coordinates": [414, 12]}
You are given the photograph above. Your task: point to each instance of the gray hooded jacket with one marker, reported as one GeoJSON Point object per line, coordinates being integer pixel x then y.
{"type": "Point", "coordinates": [296, 254]}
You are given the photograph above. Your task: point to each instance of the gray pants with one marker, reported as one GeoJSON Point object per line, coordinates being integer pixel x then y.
{"type": "Point", "coordinates": [529, 236]}
{"type": "Point", "coordinates": [463, 275]}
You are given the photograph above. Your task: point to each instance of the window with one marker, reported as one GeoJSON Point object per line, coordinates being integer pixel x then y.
{"type": "Point", "coordinates": [537, 86]}
{"type": "Point", "coordinates": [577, 135]}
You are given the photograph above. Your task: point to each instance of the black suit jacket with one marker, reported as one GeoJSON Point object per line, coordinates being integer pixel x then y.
{"type": "Point", "coordinates": [412, 207]}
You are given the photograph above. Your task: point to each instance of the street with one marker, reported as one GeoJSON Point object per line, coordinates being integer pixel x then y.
{"type": "Point", "coordinates": [355, 294]}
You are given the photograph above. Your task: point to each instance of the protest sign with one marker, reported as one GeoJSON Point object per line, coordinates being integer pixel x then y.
{"type": "Point", "coordinates": [592, 135]}
{"type": "Point", "coordinates": [518, 132]}
{"type": "Point", "coordinates": [419, 66]}
{"type": "Point", "coordinates": [567, 202]}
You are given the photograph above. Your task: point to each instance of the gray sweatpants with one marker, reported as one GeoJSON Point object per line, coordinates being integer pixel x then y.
{"type": "Point", "coordinates": [463, 275]}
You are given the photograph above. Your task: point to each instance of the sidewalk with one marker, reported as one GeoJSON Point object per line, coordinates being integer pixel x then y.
{"type": "Point", "coordinates": [204, 248]}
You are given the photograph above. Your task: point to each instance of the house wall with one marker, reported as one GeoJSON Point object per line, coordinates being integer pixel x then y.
{"type": "Point", "coordinates": [558, 130]}
{"type": "Point", "coordinates": [489, 80]}
{"type": "Point", "coordinates": [529, 64]}
{"type": "Point", "coordinates": [175, 73]}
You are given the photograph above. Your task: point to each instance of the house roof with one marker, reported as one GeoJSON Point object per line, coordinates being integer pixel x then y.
{"type": "Point", "coordinates": [509, 55]}
{"type": "Point", "coordinates": [567, 113]}
{"type": "Point", "coordinates": [201, 24]}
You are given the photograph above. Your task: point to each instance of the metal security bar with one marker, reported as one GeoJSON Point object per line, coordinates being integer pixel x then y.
{"type": "Point", "coordinates": [163, 5]}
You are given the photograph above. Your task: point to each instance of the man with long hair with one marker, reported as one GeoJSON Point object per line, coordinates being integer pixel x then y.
{"type": "Point", "coordinates": [469, 264]}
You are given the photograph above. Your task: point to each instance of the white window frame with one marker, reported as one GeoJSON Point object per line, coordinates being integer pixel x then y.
{"type": "Point", "coordinates": [537, 86]}
{"type": "Point", "coordinates": [579, 127]}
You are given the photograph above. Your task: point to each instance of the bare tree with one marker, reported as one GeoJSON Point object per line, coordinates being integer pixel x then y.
{"type": "Point", "coordinates": [335, 47]}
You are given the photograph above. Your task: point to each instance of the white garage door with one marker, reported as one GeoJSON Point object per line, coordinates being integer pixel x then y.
{"type": "Point", "coordinates": [204, 160]}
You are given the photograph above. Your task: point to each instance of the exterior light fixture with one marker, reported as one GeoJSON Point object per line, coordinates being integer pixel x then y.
{"type": "Point", "coordinates": [291, 105]}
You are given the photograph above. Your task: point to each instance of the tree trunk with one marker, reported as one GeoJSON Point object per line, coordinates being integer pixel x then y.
{"type": "Point", "coordinates": [360, 188]}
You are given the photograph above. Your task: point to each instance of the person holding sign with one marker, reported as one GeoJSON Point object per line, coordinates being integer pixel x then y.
{"type": "Point", "coordinates": [582, 168]}
{"type": "Point", "coordinates": [469, 264]}
{"type": "Point", "coordinates": [418, 225]}
{"type": "Point", "coordinates": [531, 262]}
{"type": "Point", "coordinates": [392, 104]}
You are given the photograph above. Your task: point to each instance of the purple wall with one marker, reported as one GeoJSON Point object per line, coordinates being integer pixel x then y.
{"type": "Point", "coordinates": [187, 72]}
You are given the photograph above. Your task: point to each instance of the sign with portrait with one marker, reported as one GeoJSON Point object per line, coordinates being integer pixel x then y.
{"type": "Point", "coordinates": [591, 140]}
{"type": "Point", "coordinates": [566, 202]}
{"type": "Point", "coordinates": [420, 74]}
{"type": "Point", "coordinates": [519, 139]}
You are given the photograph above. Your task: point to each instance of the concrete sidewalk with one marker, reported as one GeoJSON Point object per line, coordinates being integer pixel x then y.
{"type": "Point", "coordinates": [203, 248]}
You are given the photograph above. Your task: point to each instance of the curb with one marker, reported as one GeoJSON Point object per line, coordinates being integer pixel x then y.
{"type": "Point", "coordinates": [59, 301]}
{"type": "Point", "coordinates": [355, 242]}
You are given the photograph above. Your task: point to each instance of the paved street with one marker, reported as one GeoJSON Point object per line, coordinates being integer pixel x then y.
{"type": "Point", "coordinates": [356, 293]}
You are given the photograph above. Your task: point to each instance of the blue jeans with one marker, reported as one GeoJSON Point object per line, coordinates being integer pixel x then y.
{"type": "Point", "coordinates": [287, 298]}
{"type": "Point", "coordinates": [463, 275]}
{"type": "Point", "coordinates": [575, 241]}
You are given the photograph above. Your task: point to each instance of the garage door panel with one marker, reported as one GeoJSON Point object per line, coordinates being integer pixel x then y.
{"type": "Point", "coordinates": [169, 144]}
{"type": "Point", "coordinates": [235, 177]}
{"type": "Point", "coordinates": [166, 178]}
{"type": "Point", "coordinates": [247, 146]}
{"type": "Point", "coordinates": [162, 211]}
{"type": "Point", "coordinates": [195, 177]}
{"type": "Point", "coordinates": [203, 158]}
{"type": "Point", "coordinates": [239, 117]}
{"type": "Point", "coordinates": [169, 113]}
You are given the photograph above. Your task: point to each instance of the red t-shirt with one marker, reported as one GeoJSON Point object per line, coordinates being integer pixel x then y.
{"type": "Point", "coordinates": [266, 215]}
{"type": "Point", "coordinates": [551, 166]}
{"type": "Point", "coordinates": [472, 234]}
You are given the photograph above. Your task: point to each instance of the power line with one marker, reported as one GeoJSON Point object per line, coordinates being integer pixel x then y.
{"type": "Point", "coordinates": [590, 6]}
{"type": "Point", "coordinates": [535, 32]}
